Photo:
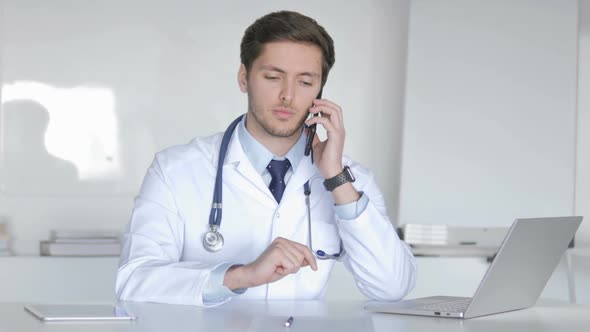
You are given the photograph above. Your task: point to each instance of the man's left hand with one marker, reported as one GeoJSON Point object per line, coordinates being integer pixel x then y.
{"type": "Point", "coordinates": [328, 154]}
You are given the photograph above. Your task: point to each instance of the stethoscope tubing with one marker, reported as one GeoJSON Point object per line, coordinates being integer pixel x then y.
{"type": "Point", "coordinates": [216, 206]}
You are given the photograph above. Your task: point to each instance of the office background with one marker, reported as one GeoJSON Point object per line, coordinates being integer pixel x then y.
{"type": "Point", "coordinates": [468, 112]}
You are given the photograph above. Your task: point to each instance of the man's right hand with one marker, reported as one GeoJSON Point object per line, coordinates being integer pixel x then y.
{"type": "Point", "coordinates": [281, 258]}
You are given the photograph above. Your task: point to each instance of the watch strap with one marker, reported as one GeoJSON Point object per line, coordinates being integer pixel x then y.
{"type": "Point", "coordinates": [338, 180]}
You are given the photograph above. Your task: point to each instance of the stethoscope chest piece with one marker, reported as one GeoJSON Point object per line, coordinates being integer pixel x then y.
{"type": "Point", "coordinates": [213, 240]}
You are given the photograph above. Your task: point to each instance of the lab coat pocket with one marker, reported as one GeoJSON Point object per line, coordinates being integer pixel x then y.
{"type": "Point", "coordinates": [324, 237]}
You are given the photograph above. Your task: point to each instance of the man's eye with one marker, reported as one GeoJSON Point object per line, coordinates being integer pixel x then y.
{"type": "Point", "coordinates": [272, 78]}
{"type": "Point", "coordinates": [306, 83]}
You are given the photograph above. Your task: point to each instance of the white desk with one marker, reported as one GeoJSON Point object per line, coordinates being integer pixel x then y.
{"type": "Point", "coordinates": [309, 316]}
{"type": "Point", "coordinates": [92, 279]}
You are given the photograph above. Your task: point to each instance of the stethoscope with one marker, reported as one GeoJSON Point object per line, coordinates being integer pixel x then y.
{"type": "Point", "coordinates": [213, 240]}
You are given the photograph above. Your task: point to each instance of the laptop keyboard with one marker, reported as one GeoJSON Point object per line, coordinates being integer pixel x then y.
{"type": "Point", "coordinates": [451, 306]}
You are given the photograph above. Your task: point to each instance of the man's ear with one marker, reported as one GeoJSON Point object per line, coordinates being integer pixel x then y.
{"type": "Point", "coordinates": [242, 78]}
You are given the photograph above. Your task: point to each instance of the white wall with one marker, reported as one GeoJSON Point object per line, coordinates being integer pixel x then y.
{"type": "Point", "coordinates": [118, 81]}
{"type": "Point", "coordinates": [489, 124]}
{"type": "Point", "coordinates": [583, 149]}
{"type": "Point", "coordinates": [581, 263]}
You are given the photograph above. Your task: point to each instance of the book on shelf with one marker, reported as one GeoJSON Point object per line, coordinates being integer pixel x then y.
{"type": "Point", "coordinates": [50, 248]}
{"type": "Point", "coordinates": [83, 234]}
{"type": "Point", "coordinates": [86, 240]}
{"type": "Point", "coordinates": [76, 242]}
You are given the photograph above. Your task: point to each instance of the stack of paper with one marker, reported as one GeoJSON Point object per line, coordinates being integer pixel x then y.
{"type": "Point", "coordinates": [445, 240]}
{"type": "Point", "coordinates": [425, 234]}
{"type": "Point", "coordinates": [81, 243]}
{"type": "Point", "coordinates": [4, 240]}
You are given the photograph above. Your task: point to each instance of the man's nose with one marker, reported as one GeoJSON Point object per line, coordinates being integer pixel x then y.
{"type": "Point", "coordinates": [287, 93]}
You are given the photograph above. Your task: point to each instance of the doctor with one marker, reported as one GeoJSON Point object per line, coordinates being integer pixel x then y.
{"type": "Point", "coordinates": [285, 218]}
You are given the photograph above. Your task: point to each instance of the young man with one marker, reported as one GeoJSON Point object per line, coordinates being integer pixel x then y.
{"type": "Point", "coordinates": [287, 217]}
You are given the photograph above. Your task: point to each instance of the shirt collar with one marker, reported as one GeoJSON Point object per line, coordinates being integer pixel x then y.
{"type": "Point", "coordinates": [259, 155]}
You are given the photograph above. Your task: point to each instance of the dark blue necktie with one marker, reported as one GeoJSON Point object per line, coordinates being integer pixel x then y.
{"type": "Point", "coordinates": [277, 170]}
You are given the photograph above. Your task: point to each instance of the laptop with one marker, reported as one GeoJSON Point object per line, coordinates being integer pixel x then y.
{"type": "Point", "coordinates": [524, 263]}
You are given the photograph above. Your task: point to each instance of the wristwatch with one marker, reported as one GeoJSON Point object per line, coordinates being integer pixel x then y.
{"type": "Point", "coordinates": [340, 179]}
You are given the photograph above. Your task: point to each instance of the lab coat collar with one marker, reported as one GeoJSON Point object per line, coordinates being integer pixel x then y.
{"type": "Point", "coordinates": [235, 152]}
{"type": "Point", "coordinates": [237, 157]}
{"type": "Point", "coordinates": [243, 171]}
{"type": "Point", "coordinates": [304, 172]}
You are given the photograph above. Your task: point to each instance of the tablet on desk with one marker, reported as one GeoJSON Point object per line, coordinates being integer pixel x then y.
{"type": "Point", "coordinates": [73, 312]}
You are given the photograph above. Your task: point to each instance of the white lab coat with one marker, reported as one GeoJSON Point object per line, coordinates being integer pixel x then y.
{"type": "Point", "coordinates": [163, 259]}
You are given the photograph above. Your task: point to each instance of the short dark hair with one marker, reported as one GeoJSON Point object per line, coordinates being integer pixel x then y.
{"type": "Point", "coordinates": [286, 25]}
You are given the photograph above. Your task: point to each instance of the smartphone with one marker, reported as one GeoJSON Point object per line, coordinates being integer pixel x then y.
{"type": "Point", "coordinates": [311, 131]}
